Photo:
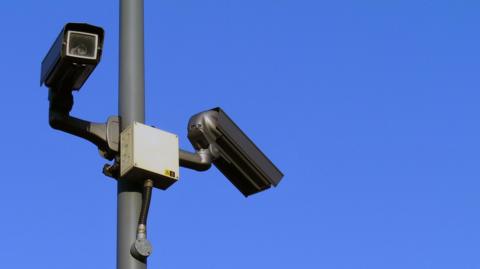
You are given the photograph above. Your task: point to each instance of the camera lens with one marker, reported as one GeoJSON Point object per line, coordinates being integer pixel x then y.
{"type": "Point", "coordinates": [82, 45]}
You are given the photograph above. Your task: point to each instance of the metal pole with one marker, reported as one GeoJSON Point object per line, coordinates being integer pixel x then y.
{"type": "Point", "coordinates": [131, 108]}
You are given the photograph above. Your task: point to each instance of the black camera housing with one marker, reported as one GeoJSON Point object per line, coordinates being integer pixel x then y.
{"type": "Point", "coordinates": [73, 57]}
{"type": "Point", "coordinates": [234, 153]}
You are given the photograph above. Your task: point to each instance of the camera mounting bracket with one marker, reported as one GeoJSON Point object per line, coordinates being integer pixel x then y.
{"type": "Point", "coordinates": [104, 135]}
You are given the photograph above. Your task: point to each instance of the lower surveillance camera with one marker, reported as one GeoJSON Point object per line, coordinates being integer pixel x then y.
{"type": "Point", "coordinates": [234, 154]}
{"type": "Point", "coordinates": [72, 57]}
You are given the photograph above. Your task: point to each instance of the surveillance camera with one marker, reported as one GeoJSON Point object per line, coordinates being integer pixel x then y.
{"type": "Point", "coordinates": [234, 154]}
{"type": "Point", "coordinates": [72, 57]}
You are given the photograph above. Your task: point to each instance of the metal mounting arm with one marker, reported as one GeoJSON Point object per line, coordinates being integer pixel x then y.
{"type": "Point", "coordinates": [103, 135]}
{"type": "Point", "coordinates": [199, 161]}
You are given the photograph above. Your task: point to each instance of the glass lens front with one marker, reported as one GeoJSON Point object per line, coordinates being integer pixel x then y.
{"type": "Point", "coordinates": [82, 45]}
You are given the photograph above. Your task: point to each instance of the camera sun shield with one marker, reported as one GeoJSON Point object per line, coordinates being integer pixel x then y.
{"type": "Point", "coordinates": [73, 56]}
{"type": "Point", "coordinates": [235, 155]}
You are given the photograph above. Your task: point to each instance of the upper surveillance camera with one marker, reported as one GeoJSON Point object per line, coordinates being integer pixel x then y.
{"type": "Point", "coordinates": [72, 57]}
{"type": "Point", "coordinates": [233, 153]}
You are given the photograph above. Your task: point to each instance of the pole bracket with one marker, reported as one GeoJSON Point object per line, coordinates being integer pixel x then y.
{"type": "Point", "coordinates": [201, 160]}
{"type": "Point", "coordinates": [105, 136]}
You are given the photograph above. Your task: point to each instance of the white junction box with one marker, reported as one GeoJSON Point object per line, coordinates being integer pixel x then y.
{"type": "Point", "coordinates": [149, 153]}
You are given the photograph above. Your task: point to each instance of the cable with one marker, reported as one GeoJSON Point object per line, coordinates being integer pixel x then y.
{"type": "Point", "coordinates": [147, 197]}
{"type": "Point", "coordinates": [141, 247]}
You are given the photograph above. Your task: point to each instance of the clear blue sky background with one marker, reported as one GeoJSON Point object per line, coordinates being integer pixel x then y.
{"type": "Point", "coordinates": [370, 108]}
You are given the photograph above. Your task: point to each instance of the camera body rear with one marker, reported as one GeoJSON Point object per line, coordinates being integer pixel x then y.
{"type": "Point", "coordinates": [234, 153]}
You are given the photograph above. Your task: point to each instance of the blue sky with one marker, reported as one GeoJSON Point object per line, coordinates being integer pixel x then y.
{"type": "Point", "coordinates": [370, 108]}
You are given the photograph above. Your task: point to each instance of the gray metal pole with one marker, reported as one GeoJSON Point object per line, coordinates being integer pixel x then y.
{"type": "Point", "coordinates": [131, 108]}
